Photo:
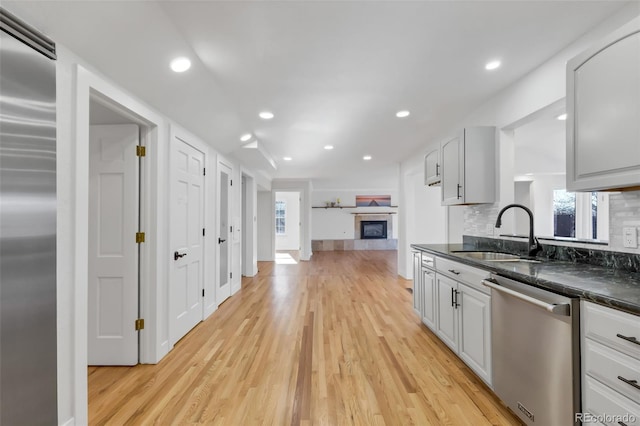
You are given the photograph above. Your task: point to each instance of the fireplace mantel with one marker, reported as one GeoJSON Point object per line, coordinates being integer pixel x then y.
{"type": "Point", "coordinates": [373, 214]}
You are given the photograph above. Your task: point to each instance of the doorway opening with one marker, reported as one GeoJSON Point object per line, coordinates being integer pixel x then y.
{"type": "Point", "coordinates": [115, 219]}
{"type": "Point", "coordinates": [287, 216]}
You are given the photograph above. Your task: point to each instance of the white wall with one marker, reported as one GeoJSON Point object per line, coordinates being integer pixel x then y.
{"type": "Point", "coordinates": [542, 188]}
{"type": "Point", "coordinates": [540, 147]}
{"type": "Point", "coordinates": [338, 224]}
{"type": "Point", "coordinates": [541, 87]}
{"type": "Point", "coordinates": [266, 233]}
{"type": "Point", "coordinates": [236, 222]}
{"type": "Point", "coordinates": [428, 226]}
{"type": "Point", "coordinates": [249, 225]}
{"type": "Point", "coordinates": [290, 240]}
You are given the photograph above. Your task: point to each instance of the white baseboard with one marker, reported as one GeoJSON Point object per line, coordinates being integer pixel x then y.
{"type": "Point", "coordinates": [70, 422]}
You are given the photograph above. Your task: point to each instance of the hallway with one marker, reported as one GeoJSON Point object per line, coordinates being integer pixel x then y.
{"type": "Point", "coordinates": [330, 341]}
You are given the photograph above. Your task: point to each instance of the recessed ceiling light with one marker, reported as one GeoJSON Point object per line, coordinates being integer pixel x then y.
{"type": "Point", "coordinates": [287, 158]}
{"type": "Point", "coordinates": [246, 137]}
{"type": "Point", "coordinates": [180, 64]}
{"type": "Point", "coordinates": [402, 114]}
{"type": "Point", "coordinates": [562, 117]}
{"type": "Point", "coordinates": [328, 147]}
{"type": "Point", "coordinates": [366, 157]}
{"type": "Point", "coordinates": [492, 65]}
{"type": "Point", "coordinates": [266, 115]}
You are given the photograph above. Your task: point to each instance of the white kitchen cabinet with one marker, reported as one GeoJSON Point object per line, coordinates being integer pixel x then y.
{"type": "Point", "coordinates": [469, 167]}
{"type": "Point", "coordinates": [474, 330]}
{"type": "Point", "coordinates": [429, 306]}
{"type": "Point", "coordinates": [424, 292]}
{"type": "Point", "coordinates": [457, 308]}
{"type": "Point", "coordinates": [432, 169]}
{"type": "Point", "coordinates": [603, 110]}
{"type": "Point", "coordinates": [464, 314]}
{"type": "Point", "coordinates": [447, 324]}
{"type": "Point", "coordinates": [417, 283]}
{"type": "Point", "coordinates": [610, 345]}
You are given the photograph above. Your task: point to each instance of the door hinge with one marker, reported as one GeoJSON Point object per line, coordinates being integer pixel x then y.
{"type": "Point", "coordinates": [203, 232]}
{"type": "Point", "coordinates": [204, 171]}
{"type": "Point", "coordinates": [139, 237]}
{"type": "Point", "coordinates": [231, 182]}
{"type": "Point", "coordinates": [141, 151]}
{"type": "Point", "coordinates": [139, 324]}
{"type": "Point", "coordinates": [203, 292]}
{"type": "Point", "coordinates": [230, 274]}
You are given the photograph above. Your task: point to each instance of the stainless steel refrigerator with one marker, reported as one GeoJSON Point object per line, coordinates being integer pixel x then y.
{"type": "Point", "coordinates": [28, 351]}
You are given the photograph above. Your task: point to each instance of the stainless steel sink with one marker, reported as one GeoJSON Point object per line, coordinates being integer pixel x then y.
{"type": "Point", "coordinates": [490, 256]}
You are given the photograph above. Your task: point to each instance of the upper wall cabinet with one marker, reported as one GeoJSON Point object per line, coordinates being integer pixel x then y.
{"type": "Point", "coordinates": [432, 169]}
{"type": "Point", "coordinates": [468, 167]}
{"type": "Point", "coordinates": [603, 108]}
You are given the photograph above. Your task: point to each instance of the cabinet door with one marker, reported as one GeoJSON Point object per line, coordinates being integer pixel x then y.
{"type": "Point", "coordinates": [432, 168]}
{"type": "Point", "coordinates": [429, 298]}
{"type": "Point", "coordinates": [475, 330]}
{"type": "Point", "coordinates": [417, 284]}
{"type": "Point", "coordinates": [447, 314]}
{"type": "Point", "coordinates": [452, 154]}
{"type": "Point", "coordinates": [603, 106]}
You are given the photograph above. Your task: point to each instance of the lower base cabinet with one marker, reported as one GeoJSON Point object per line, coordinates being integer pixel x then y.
{"type": "Point", "coordinates": [428, 298]}
{"type": "Point", "coordinates": [464, 324]}
{"type": "Point", "coordinates": [447, 325]}
{"type": "Point", "coordinates": [456, 310]}
{"type": "Point", "coordinates": [474, 345]}
{"type": "Point", "coordinates": [610, 355]}
{"type": "Point", "coordinates": [417, 283]}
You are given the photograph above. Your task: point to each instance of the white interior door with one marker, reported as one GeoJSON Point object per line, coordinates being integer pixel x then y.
{"type": "Point", "coordinates": [187, 241]}
{"type": "Point", "coordinates": [113, 251]}
{"type": "Point", "coordinates": [223, 258]}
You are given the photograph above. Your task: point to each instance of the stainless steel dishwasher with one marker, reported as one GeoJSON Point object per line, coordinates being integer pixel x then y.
{"type": "Point", "coordinates": [535, 352]}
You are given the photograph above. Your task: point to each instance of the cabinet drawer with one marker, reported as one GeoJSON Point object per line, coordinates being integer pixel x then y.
{"type": "Point", "coordinates": [611, 367]}
{"type": "Point", "coordinates": [616, 329]}
{"type": "Point", "coordinates": [464, 273]}
{"type": "Point", "coordinates": [428, 261]}
{"type": "Point", "coordinates": [608, 406]}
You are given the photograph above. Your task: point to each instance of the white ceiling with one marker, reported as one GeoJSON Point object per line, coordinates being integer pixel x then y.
{"type": "Point", "coordinates": [332, 72]}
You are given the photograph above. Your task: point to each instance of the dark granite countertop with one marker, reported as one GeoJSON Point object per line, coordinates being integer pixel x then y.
{"type": "Point", "coordinates": [607, 286]}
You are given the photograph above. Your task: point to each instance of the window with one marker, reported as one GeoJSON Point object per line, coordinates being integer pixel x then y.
{"type": "Point", "coordinates": [583, 215]}
{"type": "Point", "coordinates": [281, 213]}
{"type": "Point", "coordinates": [564, 213]}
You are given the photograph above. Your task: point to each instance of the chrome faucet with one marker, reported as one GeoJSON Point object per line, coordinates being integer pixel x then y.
{"type": "Point", "coordinates": [534, 245]}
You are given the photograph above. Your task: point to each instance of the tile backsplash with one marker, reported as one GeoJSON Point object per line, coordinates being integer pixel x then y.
{"type": "Point", "coordinates": [624, 210]}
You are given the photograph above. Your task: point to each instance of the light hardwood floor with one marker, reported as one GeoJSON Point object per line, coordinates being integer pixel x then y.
{"type": "Point", "coordinates": [333, 341]}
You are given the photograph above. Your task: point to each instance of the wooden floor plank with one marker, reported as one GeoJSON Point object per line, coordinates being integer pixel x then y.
{"type": "Point", "coordinates": [332, 341]}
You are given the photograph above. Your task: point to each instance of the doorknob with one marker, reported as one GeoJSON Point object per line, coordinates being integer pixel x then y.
{"type": "Point", "coordinates": [177, 255]}
{"type": "Point", "coordinates": [220, 240]}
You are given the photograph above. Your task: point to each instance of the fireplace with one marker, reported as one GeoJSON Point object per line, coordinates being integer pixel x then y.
{"type": "Point", "coordinates": [373, 229]}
